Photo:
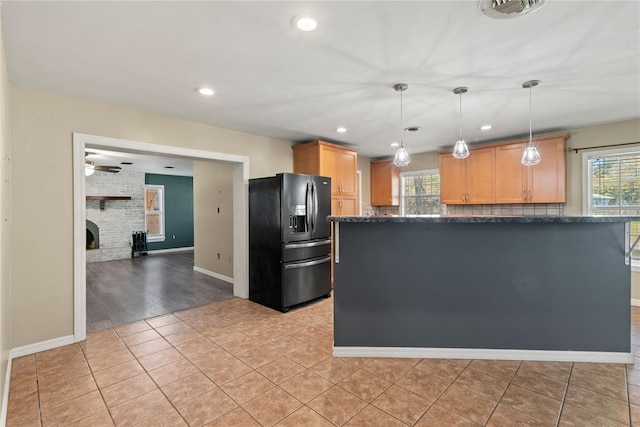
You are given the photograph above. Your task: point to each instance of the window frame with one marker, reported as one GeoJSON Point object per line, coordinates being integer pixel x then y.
{"type": "Point", "coordinates": [155, 237]}
{"type": "Point", "coordinates": [587, 186]}
{"type": "Point", "coordinates": [402, 188]}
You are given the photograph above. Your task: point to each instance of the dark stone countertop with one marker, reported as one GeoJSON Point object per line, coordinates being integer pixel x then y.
{"type": "Point", "coordinates": [490, 219]}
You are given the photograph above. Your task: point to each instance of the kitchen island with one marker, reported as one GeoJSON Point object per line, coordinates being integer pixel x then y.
{"type": "Point", "coordinates": [528, 288]}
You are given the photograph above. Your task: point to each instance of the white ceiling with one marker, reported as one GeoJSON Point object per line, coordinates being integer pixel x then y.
{"type": "Point", "coordinates": [273, 80]}
{"type": "Point", "coordinates": [141, 162]}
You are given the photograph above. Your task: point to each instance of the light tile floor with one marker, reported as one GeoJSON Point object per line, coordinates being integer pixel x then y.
{"type": "Point", "coordinates": [235, 363]}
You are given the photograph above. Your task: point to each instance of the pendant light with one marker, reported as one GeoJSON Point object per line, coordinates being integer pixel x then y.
{"type": "Point", "coordinates": [461, 149]}
{"type": "Point", "coordinates": [402, 157]}
{"type": "Point", "coordinates": [530, 156]}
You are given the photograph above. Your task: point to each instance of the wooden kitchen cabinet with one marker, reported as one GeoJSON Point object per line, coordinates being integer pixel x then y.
{"type": "Point", "coordinates": [385, 183]}
{"type": "Point", "coordinates": [542, 183]}
{"type": "Point", "coordinates": [470, 180]}
{"type": "Point", "coordinates": [338, 163]}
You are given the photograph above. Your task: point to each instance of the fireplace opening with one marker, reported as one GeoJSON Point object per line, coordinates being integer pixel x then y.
{"type": "Point", "coordinates": [93, 236]}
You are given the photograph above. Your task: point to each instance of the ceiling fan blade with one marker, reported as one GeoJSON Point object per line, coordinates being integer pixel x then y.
{"type": "Point", "coordinates": [112, 169]}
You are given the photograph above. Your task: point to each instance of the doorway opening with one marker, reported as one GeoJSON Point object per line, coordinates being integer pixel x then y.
{"type": "Point", "coordinates": [239, 166]}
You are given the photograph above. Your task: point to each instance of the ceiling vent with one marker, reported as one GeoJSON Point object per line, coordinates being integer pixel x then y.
{"type": "Point", "coordinates": [505, 9]}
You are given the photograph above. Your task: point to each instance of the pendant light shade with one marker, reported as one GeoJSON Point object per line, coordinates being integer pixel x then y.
{"type": "Point", "coordinates": [461, 149]}
{"type": "Point", "coordinates": [530, 156]}
{"type": "Point", "coordinates": [402, 157]}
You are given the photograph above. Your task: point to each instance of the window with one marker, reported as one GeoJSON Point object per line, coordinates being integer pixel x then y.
{"type": "Point", "coordinates": [420, 193]}
{"type": "Point", "coordinates": [154, 212]}
{"type": "Point", "coordinates": [614, 187]}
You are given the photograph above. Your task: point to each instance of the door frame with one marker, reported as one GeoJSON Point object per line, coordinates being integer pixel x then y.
{"type": "Point", "coordinates": [240, 212]}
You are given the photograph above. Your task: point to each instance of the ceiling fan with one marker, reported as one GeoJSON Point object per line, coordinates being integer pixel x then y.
{"type": "Point", "coordinates": [90, 166]}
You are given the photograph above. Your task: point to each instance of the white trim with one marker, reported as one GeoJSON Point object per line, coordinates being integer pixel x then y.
{"type": "Point", "coordinates": [481, 353]}
{"type": "Point", "coordinates": [240, 217]}
{"type": "Point", "coordinates": [359, 175]}
{"type": "Point", "coordinates": [166, 251]}
{"type": "Point", "coordinates": [5, 394]}
{"type": "Point", "coordinates": [79, 241]}
{"type": "Point", "coordinates": [213, 274]}
{"type": "Point", "coordinates": [586, 182]}
{"type": "Point", "coordinates": [25, 350]}
{"type": "Point", "coordinates": [154, 237]}
{"type": "Point", "coordinates": [635, 302]}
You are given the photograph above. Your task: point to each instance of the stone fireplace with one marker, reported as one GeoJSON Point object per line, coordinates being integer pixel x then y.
{"type": "Point", "coordinates": [93, 235]}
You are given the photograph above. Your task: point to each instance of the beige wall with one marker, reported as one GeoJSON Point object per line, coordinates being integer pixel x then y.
{"type": "Point", "coordinates": [611, 134]}
{"type": "Point", "coordinates": [213, 230]}
{"type": "Point", "coordinates": [5, 209]}
{"type": "Point", "coordinates": [365, 169]}
{"type": "Point", "coordinates": [42, 199]}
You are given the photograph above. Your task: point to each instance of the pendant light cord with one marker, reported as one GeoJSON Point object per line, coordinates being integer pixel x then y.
{"type": "Point", "coordinates": [401, 145]}
{"type": "Point", "coordinates": [530, 120]}
{"type": "Point", "coordinates": [460, 115]}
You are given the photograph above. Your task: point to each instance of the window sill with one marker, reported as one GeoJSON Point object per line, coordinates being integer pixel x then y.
{"type": "Point", "coordinates": [162, 239]}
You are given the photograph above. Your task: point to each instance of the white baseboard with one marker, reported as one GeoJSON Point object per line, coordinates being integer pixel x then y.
{"type": "Point", "coordinates": [477, 353]}
{"type": "Point", "coordinates": [41, 346]}
{"type": "Point", "coordinates": [166, 251]}
{"type": "Point", "coordinates": [5, 394]}
{"type": "Point", "coordinates": [213, 274]}
{"type": "Point", "coordinates": [635, 302]}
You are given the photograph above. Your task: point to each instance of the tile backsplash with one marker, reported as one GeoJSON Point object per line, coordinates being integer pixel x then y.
{"type": "Point", "coordinates": [539, 209]}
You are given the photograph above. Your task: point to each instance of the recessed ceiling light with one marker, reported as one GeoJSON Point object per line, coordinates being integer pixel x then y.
{"type": "Point", "coordinates": [394, 144]}
{"type": "Point", "coordinates": [205, 91]}
{"type": "Point", "coordinates": [304, 23]}
{"type": "Point", "coordinates": [485, 127]}
{"type": "Point", "coordinates": [341, 129]}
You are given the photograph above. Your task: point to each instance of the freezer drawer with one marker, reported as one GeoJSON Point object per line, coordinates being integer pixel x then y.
{"type": "Point", "coordinates": [305, 280]}
{"type": "Point", "coordinates": [296, 251]}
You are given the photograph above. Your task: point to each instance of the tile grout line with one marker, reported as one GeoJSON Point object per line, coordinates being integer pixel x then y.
{"type": "Point", "coordinates": [504, 392]}
{"type": "Point", "coordinates": [626, 383]}
{"type": "Point", "coordinates": [445, 390]}
{"type": "Point", "coordinates": [564, 395]}
{"type": "Point", "coordinates": [94, 379]}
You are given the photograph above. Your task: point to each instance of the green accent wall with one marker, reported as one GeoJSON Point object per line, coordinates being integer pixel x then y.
{"type": "Point", "coordinates": [178, 208]}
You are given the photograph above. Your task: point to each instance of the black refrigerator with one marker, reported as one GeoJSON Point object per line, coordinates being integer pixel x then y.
{"type": "Point", "coordinates": [289, 239]}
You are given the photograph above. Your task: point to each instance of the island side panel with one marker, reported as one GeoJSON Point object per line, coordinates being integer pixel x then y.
{"type": "Point", "coordinates": [538, 286]}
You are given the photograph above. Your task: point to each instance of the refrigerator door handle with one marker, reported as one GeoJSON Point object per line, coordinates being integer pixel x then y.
{"type": "Point", "coordinates": [307, 245]}
{"type": "Point", "coordinates": [307, 206]}
{"type": "Point", "coordinates": [308, 263]}
{"type": "Point", "coordinates": [315, 206]}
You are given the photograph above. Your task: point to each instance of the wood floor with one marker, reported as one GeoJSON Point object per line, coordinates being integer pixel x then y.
{"type": "Point", "coordinates": [125, 291]}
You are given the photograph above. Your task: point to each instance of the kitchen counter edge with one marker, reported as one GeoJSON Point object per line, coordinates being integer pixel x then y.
{"type": "Point", "coordinates": [485, 219]}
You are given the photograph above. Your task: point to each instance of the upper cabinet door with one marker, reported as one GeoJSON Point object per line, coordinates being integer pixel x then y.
{"type": "Point", "coordinates": [348, 172]}
{"type": "Point", "coordinates": [384, 183]}
{"type": "Point", "coordinates": [452, 180]}
{"type": "Point", "coordinates": [480, 176]}
{"type": "Point", "coordinates": [330, 166]}
{"type": "Point", "coordinates": [511, 176]}
{"type": "Point", "coordinates": [546, 180]}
